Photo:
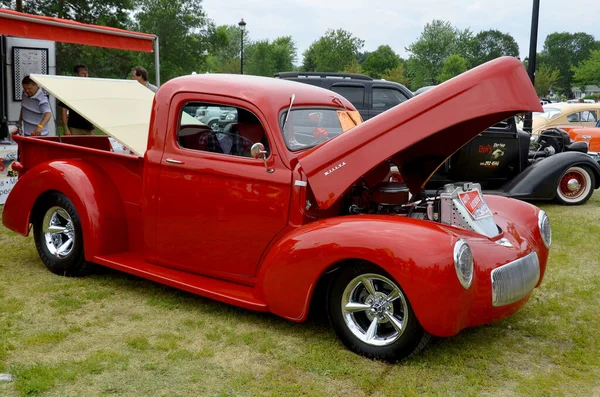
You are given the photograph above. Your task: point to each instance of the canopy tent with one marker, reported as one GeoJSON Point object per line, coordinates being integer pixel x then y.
{"type": "Point", "coordinates": [15, 23]}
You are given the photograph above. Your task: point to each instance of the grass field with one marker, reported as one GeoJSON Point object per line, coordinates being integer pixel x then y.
{"type": "Point", "coordinates": [111, 334]}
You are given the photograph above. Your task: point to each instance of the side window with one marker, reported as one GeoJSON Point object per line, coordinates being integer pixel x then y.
{"type": "Point", "coordinates": [589, 116]}
{"type": "Point", "coordinates": [355, 94]}
{"type": "Point", "coordinates": [220, 129]}
{"type": "Point", "coordinates": [386, 98]}
{"type": "Point", "coordinates": [574, 118]}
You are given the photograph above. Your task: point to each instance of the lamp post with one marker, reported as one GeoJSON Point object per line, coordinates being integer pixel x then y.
{"type": "Point", "coordinates": [242, 25]}
{"type": "Point", "coordinates": [528, 121]}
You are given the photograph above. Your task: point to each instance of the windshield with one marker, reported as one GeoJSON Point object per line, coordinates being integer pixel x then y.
{"type": "Point", "coordinates": [549, 113]}
{"type": "Point", "coordinates": [308, 127]}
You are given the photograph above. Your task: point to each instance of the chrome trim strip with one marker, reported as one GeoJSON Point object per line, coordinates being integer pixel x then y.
{"type": "Point", "coordinates": [515, 280]}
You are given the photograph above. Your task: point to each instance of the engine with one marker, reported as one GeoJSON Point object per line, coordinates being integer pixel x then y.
{"type": "Point", "coordinates": [457, 204]}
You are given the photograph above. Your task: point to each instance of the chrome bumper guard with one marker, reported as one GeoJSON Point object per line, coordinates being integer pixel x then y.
{"type": "Point", "coordinates": [515, 280]}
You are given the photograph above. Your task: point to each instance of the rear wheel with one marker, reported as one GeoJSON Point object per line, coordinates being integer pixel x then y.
{"type": "Point", "coordinates": [58, 237]}
{"type": "Point", "coordinates": [214, 125]}
{"type": "Point", "coordinates": [575, 186]}
{"type": "Point", "coordinates": [372, 316]}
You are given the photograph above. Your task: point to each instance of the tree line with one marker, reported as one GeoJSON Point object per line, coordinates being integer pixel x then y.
{"type": "Point", "coordinates": [191, 42]}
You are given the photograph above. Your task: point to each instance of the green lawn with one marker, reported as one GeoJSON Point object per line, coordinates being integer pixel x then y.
{"type": "Point", "coordinates": [113, 334]}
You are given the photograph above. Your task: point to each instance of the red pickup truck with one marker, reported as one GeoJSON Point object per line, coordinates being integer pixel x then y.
{"type": "Point", "coordinates": [294, 202]}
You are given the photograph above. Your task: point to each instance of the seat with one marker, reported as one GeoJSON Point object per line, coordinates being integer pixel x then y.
{"type": "Point", "coordinates": [252, 132]}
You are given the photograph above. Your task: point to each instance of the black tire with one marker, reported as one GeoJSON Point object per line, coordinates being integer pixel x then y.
{"type": "Point", "coordinates": [394, 344]}
{"type": "Point", "coordinates": [582, 189]}
{"type": "Point", "coordinates": [214, 125]}
{"type": "Point", "coordinates": [61, 251]}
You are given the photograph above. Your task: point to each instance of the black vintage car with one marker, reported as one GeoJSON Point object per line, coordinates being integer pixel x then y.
{"type": "Point", "coordinates": [506, 161]}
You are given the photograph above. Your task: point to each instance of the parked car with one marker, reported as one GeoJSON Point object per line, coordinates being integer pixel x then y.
{"type": "Point", "coordinates": [566, 116]}
{"type": "Point", "coordinates": [292, 224]}
{"type": "Point", "coordinates": [589, 135]}
{"type": "Point", "coordinates": [504, 160]}
{"type": "Point", "coordinates": [216, 117]}
{"type": "Point", "coordinates": [370, 97]}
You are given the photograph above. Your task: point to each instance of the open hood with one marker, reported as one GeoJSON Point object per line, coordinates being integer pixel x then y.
{"type": "Point", "coordinates": [420, 134]}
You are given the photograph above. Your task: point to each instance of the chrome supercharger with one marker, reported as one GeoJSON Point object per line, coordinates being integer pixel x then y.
{"type": "Point", "coordinates": [462, 205]}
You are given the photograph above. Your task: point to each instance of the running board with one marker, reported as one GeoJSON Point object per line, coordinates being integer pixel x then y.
{"type": "Point", "coordinates": [223, 291]}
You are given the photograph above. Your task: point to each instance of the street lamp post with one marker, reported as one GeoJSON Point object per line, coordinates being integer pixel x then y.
{"type": "Point", "coordinates": [242, 25]}
{"type": "Point", "coordinates": [528, 122]}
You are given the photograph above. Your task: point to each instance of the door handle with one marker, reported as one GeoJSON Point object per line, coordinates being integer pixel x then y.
{"type": "Point", "coordinates": [173, 161]}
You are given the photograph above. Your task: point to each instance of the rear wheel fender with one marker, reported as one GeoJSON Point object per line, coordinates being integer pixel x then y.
{"type": "Point", "coordinates": [89, 188]}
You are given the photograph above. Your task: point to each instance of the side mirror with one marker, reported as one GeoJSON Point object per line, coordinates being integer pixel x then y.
{"type": "Point", "coordinates": [258, 152]}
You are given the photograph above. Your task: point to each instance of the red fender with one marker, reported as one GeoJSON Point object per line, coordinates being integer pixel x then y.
{"type": "Point", "coordinates": [103, 222]}
{"type": "Point", "coordinates": [419, 255]}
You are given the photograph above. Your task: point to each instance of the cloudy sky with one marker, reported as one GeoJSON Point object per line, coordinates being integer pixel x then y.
{"type": "Point", "coordinates": [398, 23]}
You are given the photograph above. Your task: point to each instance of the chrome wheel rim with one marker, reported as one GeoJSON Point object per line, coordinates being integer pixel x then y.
{"type": "Point", "coordinates": [59, 233]}
{"type": "Point", "coordinates": [374, 309]}
{"type": "Point", "coordinates": [574, 185]}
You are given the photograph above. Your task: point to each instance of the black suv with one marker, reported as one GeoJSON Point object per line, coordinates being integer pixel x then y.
{"type": "Point", "coordinates": [370, 97]}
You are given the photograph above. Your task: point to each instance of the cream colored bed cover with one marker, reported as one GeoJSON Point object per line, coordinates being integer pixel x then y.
{"type": "Point", "coordinates": [121, 108]}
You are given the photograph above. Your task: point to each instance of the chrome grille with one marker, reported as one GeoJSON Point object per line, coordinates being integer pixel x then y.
{"type": "Point", "coordinates": [515, 280]}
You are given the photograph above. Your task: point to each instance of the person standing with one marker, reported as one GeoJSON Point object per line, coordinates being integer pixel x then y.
{"type": "Point", "coordinates": [72, 121]}
{"type": "Point", "coordinates": [141, 75]}
{"type": "Point", "coordinates": [35, 109]}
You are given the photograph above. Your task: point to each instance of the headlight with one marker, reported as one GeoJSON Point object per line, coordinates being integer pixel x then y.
{"type": "Point", "coordinates": [545, 229]}
{"type": "Point", "coordinates": [463, 263]}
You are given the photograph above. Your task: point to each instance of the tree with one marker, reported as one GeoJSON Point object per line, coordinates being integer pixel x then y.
{"type": "Point", "coordinates": [453, 66]}
{"type": "Point", "coordinates": [588, 71]}
{"type": "Point", "coordinates": [545, 77]}
{"type": "Point", "coordinates": [564, 51]}
{"type": "Point", "coordinates": [284, 53]}
{"type": "Point", "coordinates": [309, 64]}
{"type": "Point", "coordinates": [100, 12]}
{"type": "Point", "coordinates": [437, 42]}
{"type": "Point", "coordinates": [491, 44]}
{"type": "Point", "coordinates": [397, 74]}
{"type": "Point", "coordinates": [353, 67]}
{"type": "Point", "coordinates": [380, 61]}
{"type": "Point", "coordinates": [332, 52]}
{"type": "Point", "coordinates": [223, 54]}
{"type": "Point", "coordinates": [266, 59]}
{"type": "Point", "coordinates": [183, 30]}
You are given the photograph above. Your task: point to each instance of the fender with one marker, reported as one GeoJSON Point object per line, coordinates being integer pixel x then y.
{"type": "Point", "coordinates": [539, 180]}
{"type": "Point", "coordinates": [91, 191]}
{"type": "Point", "coordinates": [289, 272]}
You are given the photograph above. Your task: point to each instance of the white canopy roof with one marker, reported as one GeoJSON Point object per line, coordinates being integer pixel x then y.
{"type": "Point", "coordinates": [121, 108]}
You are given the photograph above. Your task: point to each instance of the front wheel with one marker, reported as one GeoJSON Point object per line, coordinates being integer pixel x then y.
{"type": "Point", "coordinates": [58, 237]}
{"type": "Point", "coordinates": [372, 316]}
{"type": "Point", "coordinates": [575, 186]}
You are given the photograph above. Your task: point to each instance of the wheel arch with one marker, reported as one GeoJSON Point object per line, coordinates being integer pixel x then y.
{"type": "Point", "coordinates": [92, 192]}
{"type": "Point", "coordinates": [539, 180]}
{"type": "Point", "coordinates": [297, 270]}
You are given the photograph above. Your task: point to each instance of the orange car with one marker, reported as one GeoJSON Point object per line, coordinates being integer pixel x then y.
{"type": "Point", "coordinates": [566, 116]}
{"type": "Point", "coordinates": [589, 135]}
